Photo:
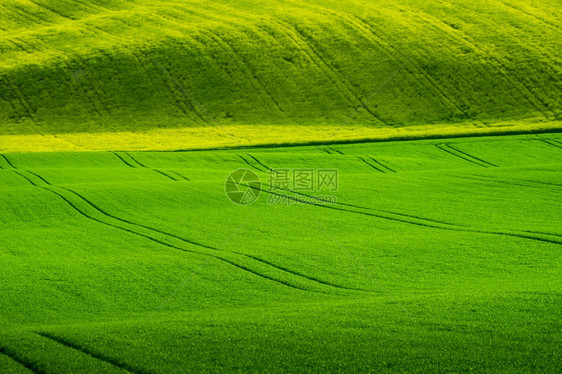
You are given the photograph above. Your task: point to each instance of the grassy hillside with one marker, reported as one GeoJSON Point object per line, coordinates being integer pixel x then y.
{"type": "Point", "coordinates": [438, 256]}
{"type": "Point", "coordinates": [235, 72]}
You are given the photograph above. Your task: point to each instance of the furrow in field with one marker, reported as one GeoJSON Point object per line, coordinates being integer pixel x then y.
{"type": "Point", "coordinates": [91, 96]}
{"type": "Point", "coordinates": [277, 280]}
{"type": "Point", "coordinates": [52, 10]}
{"type": "Point", "coordinates": [98, 356]}
{"type": "Point", "coordinates": [452, 151]}
{"type": "Point", "coordinates": [21, 15]}
{"type": "Point", "coordinates": [382, 165]}
{"type": "Point", "coordinates": [20, 47]}
{"type": "Point", "coordinates": [339, 82]}
{"type": "Point", "coordinates": [24, 104]}
{"type": "Point", "coordinates": [30, 15]}
{"type": "Point", "coordinates": [531, 15]}
{"type": "Point", "coordinates": [318, 280]}
{"type": "Point", "coordinates": [235, 15]}
{"type": "Point", "coordinates": [89, 5]}
{"type": "Point", "coordinates": [103, 212]}
{"type": "Point", "coordinates": [519, 86]}
{"type": "Point", "coordinates": [279, 267]}
{"type": "Point", "coordinates": [536, 47]}
{"type": "Point", "coordinates": [481, 178]}
{"type": "Point", "coordinates": [537, 182]}
{"type": "Point", "coordinates": [169, 92]}
{"type": "Point", "coordinates": [213, 248]}
{"type": "Point", "coordinates": [195, 105]}
{"type": "Point", "coordinates": [442, 29]}
{"type": "Point", "coordinates": [241, 67]}
{"type": "Point", "coordinates": [22, 361]}
{"type": "Point", "coordinates": [390, 216]}
{"type": "Point", "coordinates": [251, 165]}
{"type": "Point", "coordinates": [305, 48]}
{"type": "Point", "coordinates": [470, 156]}
{"type": "Point", "coordinates": [366, 29]}
{"type": "Point", "coordinates": [78, 80]}
{"type": "Point", "coordinates": [75, 205]}
{"type": "Point", "coordinates": [521, 181]}
{"type": "Point", "coordinates": [43, 355]}
{"type": "Point", "coordinates": [337, 151]}
{"type": "Point", "coordinates": [119, 225]}
{"type": "Point", "coordinates": [551, 143]}
{"type": "Point", "coordinates": [261, 163]}
{"type": "Point", "coordinates": [188, 99]}
{"type": "Point", "coordinates": [406, 215]}
{"type": "Point", "coordinates": [138, 56]}
{"type": "Point", "coordinates": [5, 163]}
{"type": "Point", "coordinates": [180, 103]}
{"type": "Point", "coordinates": [100, 7]}
{"type": "Point", "coordinates": [543, 233]}
{"type": "Point", "coordinates": [368, 208]}
{"type": "Point", "coordinates": [97, 93]}
{"type": "Point", "coordinates": [179, 175]}
{"type": "Point", "coordinates": [12, 106]}
{"type": "Point", "coordinates": [338, 77]}
{"type": "Point", "coordinates": [131, 162]}
{"type": "Point", "coordinates": [135, 161]}
{"type": "Point", "coordinates": [65, 22]}
{"type": "Point", "coordinates": [416, 222]}
{"type": "Point", "coordinates": [244, 66]}
{"type": "Point", "coordinates": [123, 160]}
{"type": "Point", "coordinates": [164, 174]}
{"type": "Point", "coordinates": [369, 164]}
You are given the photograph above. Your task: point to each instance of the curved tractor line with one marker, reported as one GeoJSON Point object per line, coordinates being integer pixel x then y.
{"type": "Point", "coordinates": [119, 226]}
{"type": "Point", "coordinates": [49, 187]}
{"type": "Point", "coordinates": [426, 223]}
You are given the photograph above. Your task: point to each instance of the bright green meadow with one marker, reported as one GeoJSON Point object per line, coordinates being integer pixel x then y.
{"type": "Point", "coordinates": [438, 256]}
{"type": "Point", "coordinates": [437, 250]}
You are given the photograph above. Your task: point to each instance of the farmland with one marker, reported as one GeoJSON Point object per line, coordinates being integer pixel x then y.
{"type": "Point", "coordinates": [446, 257]}
{"type": "Point", "coordinates": [149, 74]}
{"type": "Point", "coordinates": [280, 186]}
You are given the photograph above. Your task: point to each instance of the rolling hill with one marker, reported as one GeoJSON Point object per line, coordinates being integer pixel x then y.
{"type": "Point", "coordinates": [280, 186]}
{"type": "Point", "coordinates": [148, 74]}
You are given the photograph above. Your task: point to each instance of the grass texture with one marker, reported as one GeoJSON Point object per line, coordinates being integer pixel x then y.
{"type": "Point", "coordinates": [221, 73]}
{"type": "Point", "coordinates": [439, 255]}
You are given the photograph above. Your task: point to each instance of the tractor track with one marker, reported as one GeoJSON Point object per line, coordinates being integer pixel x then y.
{"type": "Point", "coordinates": [53, 189]}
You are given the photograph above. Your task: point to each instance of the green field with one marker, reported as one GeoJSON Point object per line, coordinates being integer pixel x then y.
{"type": "Point", "coordinates": [441, 255]}
{"type": "Point", "coordinates": [197, 74]}
{"type": "Point", "coordinates": [280, 186]}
